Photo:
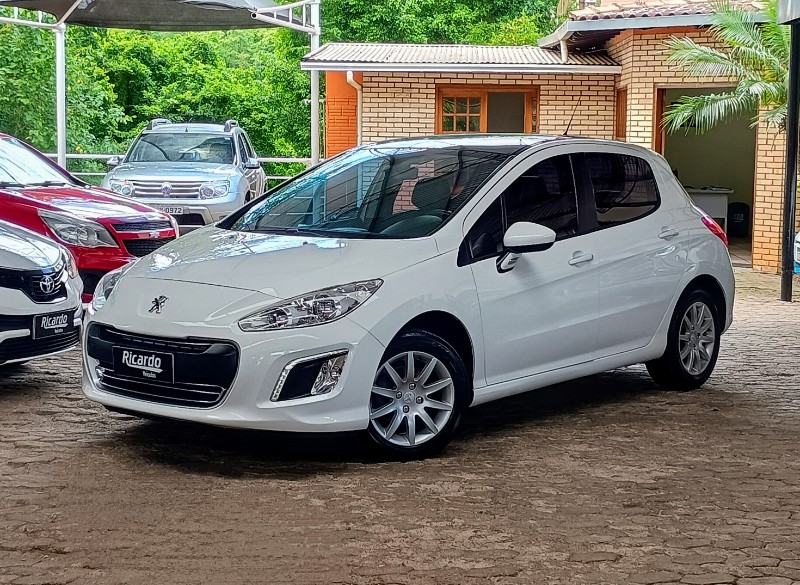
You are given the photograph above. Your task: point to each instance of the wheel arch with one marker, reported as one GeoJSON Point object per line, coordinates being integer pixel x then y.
{"type": "Point", "coordinates": [449, 328]}
{"type": "Point", "coordinates": [713, 287]}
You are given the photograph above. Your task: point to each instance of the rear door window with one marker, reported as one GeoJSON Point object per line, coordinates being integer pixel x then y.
{"type": "Point", "coordinates": [624, 187]}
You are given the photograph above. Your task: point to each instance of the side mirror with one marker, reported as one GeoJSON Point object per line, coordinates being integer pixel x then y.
{"type": "Point", "coordinates": [521, 238]}
{"type": "Point", "coordinates": [113, 162]}
{"type": "Point", "coordinates": [252, 163]}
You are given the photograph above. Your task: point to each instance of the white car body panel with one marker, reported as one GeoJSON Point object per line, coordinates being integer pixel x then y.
{"type": "Point", "coordinates": [25, 251]}
{"type": "Point", "coordinates": [610, 312]}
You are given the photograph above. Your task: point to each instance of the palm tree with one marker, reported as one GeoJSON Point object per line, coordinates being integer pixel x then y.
{"type": "Point", "coordinates": [757, 54]}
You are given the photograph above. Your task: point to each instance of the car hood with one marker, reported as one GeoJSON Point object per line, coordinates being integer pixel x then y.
{"type": "Point", "coordinates": [21, 249]}
{"type": "Point", "coordinates": [277, 265]}
{"type": "Point", "coordinates": [86, 202]}
{"type": "Point", "coordinates": [164, 171]}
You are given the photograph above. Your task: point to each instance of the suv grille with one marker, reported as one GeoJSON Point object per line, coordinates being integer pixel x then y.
{"type": "Point", "coordinates": [144, 247]}
{"type": "Point", "coordinates": [179, 189]}
{"type": "Point", "coordinates": [142, 226]}
{"type": "Point", "coordinates": [204, 369]}
{"type": "Point", "coordinates": [34, 283]}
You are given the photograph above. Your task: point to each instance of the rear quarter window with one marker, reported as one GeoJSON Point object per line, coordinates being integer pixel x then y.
{"type": "Point", "coordinates": [624, 186]}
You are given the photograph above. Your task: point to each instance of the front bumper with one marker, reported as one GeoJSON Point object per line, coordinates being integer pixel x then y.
{"type": "Point", "coordinates": [194, 213]}
{"type": "Point", "coordinates": [17, 343]}
{"type": "Point", "coordinates": [263, 358]}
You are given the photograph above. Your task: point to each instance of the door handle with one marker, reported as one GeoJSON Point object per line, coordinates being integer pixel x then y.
{"type": "Point", "coordinates": [668, 233]}
{"type": "Point", "coordinates": [581, 258]}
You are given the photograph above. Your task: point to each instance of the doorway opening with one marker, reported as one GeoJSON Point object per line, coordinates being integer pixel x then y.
{"type": "Point", "coordinates": [717, 169]}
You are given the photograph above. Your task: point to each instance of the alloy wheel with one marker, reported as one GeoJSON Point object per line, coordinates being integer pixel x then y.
{"type": "Point", "coordinates": [697, 338]}
{"type": "Point", "coordinates": [412, 398]}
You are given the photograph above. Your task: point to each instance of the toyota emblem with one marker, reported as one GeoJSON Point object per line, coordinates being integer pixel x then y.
{"type": "Point", "coordinates": [166, 189]}
{"type": "Point", "coordinates": [47, 284]}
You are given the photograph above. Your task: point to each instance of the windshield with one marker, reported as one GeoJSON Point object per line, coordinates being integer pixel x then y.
{"type": "Point", "coordinates": [188, 147]}
{"type": "Point", "coordinates": [21, 166]}
{"type": "Point", "coordinates": [377, 192]}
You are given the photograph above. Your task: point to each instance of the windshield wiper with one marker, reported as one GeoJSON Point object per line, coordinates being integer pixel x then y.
{"type": "Point", "coordinates": [10, 184]}
{"type": "Point", "coordinates": [48, 183]}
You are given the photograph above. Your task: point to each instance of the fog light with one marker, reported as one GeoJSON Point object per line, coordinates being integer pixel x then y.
{"type": "Point", "coordinates": [310, 376]}
{"type": "Point", "coordinates": [328, 376]}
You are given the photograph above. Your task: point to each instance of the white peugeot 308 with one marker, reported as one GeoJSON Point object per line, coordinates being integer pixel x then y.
{"type": "Point", "coordinates": [395, 285]}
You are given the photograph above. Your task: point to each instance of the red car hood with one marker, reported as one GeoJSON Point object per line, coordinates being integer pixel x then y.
{"type": "Point", "coordinates": [86, 202]}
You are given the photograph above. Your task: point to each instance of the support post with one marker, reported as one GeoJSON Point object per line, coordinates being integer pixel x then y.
{"type": "Point", "coordinates": [790, 179]}
{"type": "Point", "coordinates": [61, 94]}
{"type": "Point", "coordinates": [315, 40]}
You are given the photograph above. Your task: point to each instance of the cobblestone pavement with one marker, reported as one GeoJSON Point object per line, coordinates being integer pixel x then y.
{"type": "Point", "coordinates": [604, 480]}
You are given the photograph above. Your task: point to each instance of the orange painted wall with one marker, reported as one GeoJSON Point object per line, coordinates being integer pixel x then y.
{"type": "Point", "coordinates": [341, 103]}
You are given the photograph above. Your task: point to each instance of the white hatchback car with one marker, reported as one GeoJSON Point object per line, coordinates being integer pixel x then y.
{"type": "Point", "coordinates": [395, 285]}
{"type": "Point", "coordinates": [40, 296]}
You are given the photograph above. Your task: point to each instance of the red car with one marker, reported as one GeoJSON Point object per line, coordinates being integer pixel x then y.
{"type": "Point", "coordinates": [102, 230]}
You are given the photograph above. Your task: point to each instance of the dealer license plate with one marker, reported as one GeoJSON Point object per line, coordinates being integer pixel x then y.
{"type": "Point", "coordinates": [53, 324]}
{"type": "Point", "coordinates": [150, 366]}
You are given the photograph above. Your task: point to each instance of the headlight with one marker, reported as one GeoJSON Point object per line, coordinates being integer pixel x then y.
{"type": "Point", "coordinates": [106, 284]}
{"type": "Point", "coordinates": [69, 262]}
{"type": "Point", "coordinates": [212, 189]}
{"type": "Point", "coordinates": [318, 307]}
{"type": "Point", "coordinates": [122, 187]}
{"type": "Point", "coordinates": [76, 231]}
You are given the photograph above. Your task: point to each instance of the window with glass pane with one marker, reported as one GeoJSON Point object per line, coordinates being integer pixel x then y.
{"type": "Point", "coordinates": [461, 114]}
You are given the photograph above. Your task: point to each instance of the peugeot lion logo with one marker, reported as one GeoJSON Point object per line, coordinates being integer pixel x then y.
{"type": "Point", "coordinates": [158, 304]}
{"type": "Point", "coordinates": [47, 284]}
{"type": "Point", "coordinates": [166, 189]}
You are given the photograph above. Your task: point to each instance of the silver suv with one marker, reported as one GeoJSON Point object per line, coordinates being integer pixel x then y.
{"type": "Point", "coordinates": [198, 173]}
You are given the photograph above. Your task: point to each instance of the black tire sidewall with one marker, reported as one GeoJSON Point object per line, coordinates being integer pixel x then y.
{"type": "Point", "coordinates": [672, 355]}
{"type": "Point", "coordinates": [416, 340]}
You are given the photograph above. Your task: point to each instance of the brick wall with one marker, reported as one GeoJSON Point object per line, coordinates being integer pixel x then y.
{"type": "Point", "coordinates": [341, 103]}
{"type": "Point", "coordinates": [400, 105]}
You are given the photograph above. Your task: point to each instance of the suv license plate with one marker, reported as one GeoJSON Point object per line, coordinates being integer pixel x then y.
{"type": "Point", "coordinates": [53, 324]}
{"type": "Point", "coordinates": [172, 210]}
{"type": "Point", "coordinates": [152, 366]}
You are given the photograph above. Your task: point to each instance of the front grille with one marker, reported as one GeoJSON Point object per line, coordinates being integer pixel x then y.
{"type": "Point", "coordinates": [30, 282]}
{"type": "Point", "coordinates": [144, 247]}
{"type": "Point", "coordinates": [179, 189]}
{"type": "Point", "coordinates": [15, 322]}
{"type": "Point", "coordinates": [21, 348]}
{"type": "Point", "coordinates": [204, 369]}
{"type": "Point", "coordinates": [189, 219]}
{"type": "Point", "coordinates": [142, 226]}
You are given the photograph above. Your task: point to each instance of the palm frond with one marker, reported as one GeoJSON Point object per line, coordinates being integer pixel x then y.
{"type": "Point", "coordinates": [701, 60]}
{"type": "Point", "coordinates": [703, 112]}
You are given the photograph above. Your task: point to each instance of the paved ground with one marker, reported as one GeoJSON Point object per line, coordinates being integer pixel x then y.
{"type": "Point", "coordinates": [605, 480]}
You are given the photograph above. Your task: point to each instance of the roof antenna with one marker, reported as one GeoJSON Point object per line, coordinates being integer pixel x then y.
{"type": "Point", "coordinates": [575, 109]}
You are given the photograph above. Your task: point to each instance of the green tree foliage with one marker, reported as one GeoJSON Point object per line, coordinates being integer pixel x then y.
{"type": "Point", "coordinates": [119, 79]}
{"type": "Point", "coordinates": [755, 54]}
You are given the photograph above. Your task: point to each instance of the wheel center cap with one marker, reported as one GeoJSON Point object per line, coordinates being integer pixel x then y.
{"type": "Point", "coordinates": [408, 397]}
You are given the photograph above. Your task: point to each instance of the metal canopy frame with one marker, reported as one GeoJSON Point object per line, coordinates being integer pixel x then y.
{"type": "Point", "coordinates": [303, 16]}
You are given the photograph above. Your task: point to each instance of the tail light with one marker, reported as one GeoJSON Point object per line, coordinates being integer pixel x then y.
{"type": "Point", "coordinates": [713, 226]}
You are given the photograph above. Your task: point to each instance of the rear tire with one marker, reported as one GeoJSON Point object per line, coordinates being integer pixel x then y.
{"type": "Point", "coordinates": [692, 343]}
{"type": "Point", "coordinates": [420, 392]}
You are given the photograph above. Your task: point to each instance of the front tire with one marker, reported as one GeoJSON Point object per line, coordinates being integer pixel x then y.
{"type": "Point", "coordinates": [420, 391]}
{"type": "Point", "coordinates": [692, 344]}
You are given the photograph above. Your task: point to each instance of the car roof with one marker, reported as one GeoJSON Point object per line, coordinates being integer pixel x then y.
{"type": "Point", "coordinates": [189, 127]}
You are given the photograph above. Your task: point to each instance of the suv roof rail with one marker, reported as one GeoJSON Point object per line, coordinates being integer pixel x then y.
{"type": "Point", "coordinates": [157, 122]}
{"type": "Point", "coordinates": [230, 124]}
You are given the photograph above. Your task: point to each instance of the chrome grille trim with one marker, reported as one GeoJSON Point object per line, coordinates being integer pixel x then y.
{"type": "Point", "coordinates": [180, 189]}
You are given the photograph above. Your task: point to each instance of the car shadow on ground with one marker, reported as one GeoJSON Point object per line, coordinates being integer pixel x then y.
{"type": "Point", "coordinates": [236, 453]}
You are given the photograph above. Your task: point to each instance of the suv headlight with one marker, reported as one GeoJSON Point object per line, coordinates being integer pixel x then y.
{"type": "Point", "coordinates": [76, 231]}
{"type": "Point", "coordinates": [124, 188]}
{"type": "Point", "coordinates": [314, 308]}
{"type": "Point", "coordinates": [212, 189]}
{"type": "Point", "coordinates": [106, 285]}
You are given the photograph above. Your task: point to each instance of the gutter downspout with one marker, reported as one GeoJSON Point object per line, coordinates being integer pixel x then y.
{"type": "Point", "coordinates": [564, 50]}
{"type": "Point", "coordinates": [359, 104]}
